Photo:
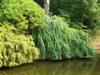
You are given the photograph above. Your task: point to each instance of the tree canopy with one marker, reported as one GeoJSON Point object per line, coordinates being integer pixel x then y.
{"type": "Point", "coordinates": [83, 11]}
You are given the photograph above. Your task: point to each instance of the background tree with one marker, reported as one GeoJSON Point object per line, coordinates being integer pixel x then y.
{"type": "Point", "coordinates": [82, 11]}
{"type": "Point", "coordinates": [44, 4]}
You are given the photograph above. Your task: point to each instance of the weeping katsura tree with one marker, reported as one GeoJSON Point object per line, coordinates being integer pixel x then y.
{"type": "Point", "coordinates": [58, 41]}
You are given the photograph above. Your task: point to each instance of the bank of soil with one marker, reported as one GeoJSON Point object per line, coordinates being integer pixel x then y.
{"type": "Point", "coordinates": [96, 41]}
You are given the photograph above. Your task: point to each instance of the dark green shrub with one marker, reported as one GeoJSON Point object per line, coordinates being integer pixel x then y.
{"type": "Point", "coordinates": [57, 41]}
{"type": "Point", "coordinates": [23, 14]}
{"type": "Point", "coordinates": [16, 49]}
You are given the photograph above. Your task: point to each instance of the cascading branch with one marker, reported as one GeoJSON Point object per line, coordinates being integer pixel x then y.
{"type": "Point", "coordinates": [57, 41]}
{"type": "Point", "coordinates": [16, 49]}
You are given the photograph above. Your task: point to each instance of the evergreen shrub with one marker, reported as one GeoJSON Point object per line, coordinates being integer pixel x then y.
{"type": "Point", "coordinates": [23, 14]}
{"type": "Point", "coordinates": [16, 49]}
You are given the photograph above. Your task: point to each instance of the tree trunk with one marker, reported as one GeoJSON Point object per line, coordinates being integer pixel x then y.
{"type": "Point", "coordinates": [46, 6]}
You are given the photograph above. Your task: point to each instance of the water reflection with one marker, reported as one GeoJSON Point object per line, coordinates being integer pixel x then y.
{"type": "Point", "coordinates": [70, 67]}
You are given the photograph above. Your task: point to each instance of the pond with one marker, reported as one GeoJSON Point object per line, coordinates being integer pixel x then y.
{"type": "Point", "coordinates": [68, 67]}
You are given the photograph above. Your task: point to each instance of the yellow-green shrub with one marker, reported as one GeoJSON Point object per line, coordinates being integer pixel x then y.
{"type": "Point", "coordinates": [23, 14]}
{"type": "Point", "coordinates": [16, 49]}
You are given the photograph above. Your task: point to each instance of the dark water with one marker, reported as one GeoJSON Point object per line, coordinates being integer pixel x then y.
{"type": "Point", "coordinates": [68, 67]}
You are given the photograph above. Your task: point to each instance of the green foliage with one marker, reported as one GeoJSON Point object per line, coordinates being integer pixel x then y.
{"type": "Point", "coordinates": [23, 14]}
{"type": "Point", "coordinates": [16, 49]}
{"type": "Point", "coordinates": [55, 39]}
{"type": "Point", "coordinates": [82, 11]}
{"type": "Point", "coordinates": [98, 23]}
{"type": "Point", "coordinates": [58, 41]}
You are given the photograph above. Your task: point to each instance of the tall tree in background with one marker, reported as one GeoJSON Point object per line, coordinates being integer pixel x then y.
{"type": "Point", "coordinates": [79, 11]}
{"type": "Point", "coordinates": [46, 6]}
